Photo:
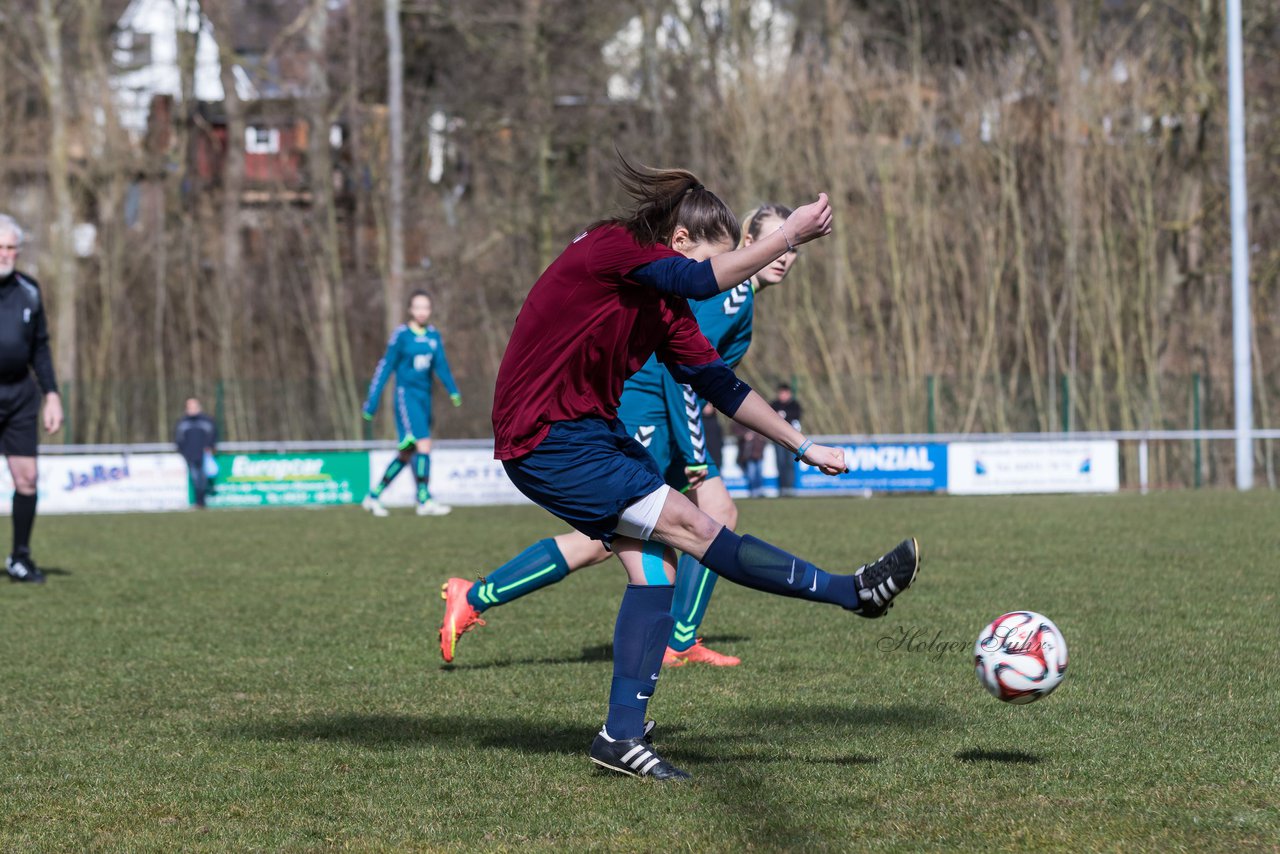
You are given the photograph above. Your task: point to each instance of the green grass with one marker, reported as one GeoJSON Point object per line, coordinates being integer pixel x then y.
{"type": "Point", "coordinates": [266, 680]}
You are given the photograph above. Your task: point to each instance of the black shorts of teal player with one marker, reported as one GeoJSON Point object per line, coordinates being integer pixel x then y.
{"type": "Point", "coordinates": [415, 356]}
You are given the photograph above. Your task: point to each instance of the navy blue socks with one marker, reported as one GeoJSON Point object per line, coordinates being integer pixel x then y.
{"type": "Point", "coordinates": [639, 642]}
{"type": "Point", "coordinates": [756, 564]}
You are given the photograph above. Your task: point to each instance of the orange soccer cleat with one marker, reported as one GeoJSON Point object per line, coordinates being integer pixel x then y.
{"type": "Point", "coordinates": [701, 654]}
{"type": "Point", "coordinates": [459, 616]}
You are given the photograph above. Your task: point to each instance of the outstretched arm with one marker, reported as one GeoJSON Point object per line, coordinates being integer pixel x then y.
{"type": "Point", "coordinates": [702, 279]}
{"type": "Point", "coordinates": [806, 223]}
{"type": "Point", "coordinates": [755, 413]}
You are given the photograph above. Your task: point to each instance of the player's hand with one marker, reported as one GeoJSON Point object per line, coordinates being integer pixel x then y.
{"type": "Point", "coordinates": [456, 398]}
{"type": "Point", "coordinates": [828, 460]}
{"type": "Point", "coordinates": [52, 413]}
{"type": "Point", "coordinates": [696, 475]}
{"type": "Point", "coordinates": [809, 222]}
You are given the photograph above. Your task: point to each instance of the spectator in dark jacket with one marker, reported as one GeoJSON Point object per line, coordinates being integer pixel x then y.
{"type": "Point", "coordinates": [751, 457]}
{"type": "Point", "coordinates": [788, 409]}
{"type": "Point", "coordinates": [196, 435]}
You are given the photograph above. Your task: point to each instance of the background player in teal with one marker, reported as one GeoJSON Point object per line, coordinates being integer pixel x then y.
{"type": "Point", "coordinates": [415, 354]}
{"type": "Point", "coordinates": [727, 321]}
{"type": "Point", "coordinates": [665, 417]}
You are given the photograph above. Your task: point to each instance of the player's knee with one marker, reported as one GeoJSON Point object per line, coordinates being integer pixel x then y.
{"type": "Point", "coordinates": [698, 526]}
{"type": "Point", "coordinates": [580, 552]}
{"type": "Point", "coordinates": [728, 515]}
{"type": "Point", "coordinates": [24, 484]}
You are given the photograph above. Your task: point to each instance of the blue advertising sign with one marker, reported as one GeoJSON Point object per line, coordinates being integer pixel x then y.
{"type": "Point", "coordinates": [881, 468]}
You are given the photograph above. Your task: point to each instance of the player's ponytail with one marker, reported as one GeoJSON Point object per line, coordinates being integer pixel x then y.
{"type": "Point", "coordinates": [666, 199]}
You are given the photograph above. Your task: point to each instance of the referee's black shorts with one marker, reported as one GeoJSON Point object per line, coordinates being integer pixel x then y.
{"type": "Point", "coordinates": [19, 417]}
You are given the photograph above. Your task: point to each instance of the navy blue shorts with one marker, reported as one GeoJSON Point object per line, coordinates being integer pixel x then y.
{"type": "Point", "coordinates": [586, 472]}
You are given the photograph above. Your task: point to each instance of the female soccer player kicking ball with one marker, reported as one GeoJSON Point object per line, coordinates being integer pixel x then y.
{"type": "Point", "coordinates": [614, 297]}
{"type": "Point", "coordinates": [414, 354]}
{"type": "Point", "coordinates": [666, 418]}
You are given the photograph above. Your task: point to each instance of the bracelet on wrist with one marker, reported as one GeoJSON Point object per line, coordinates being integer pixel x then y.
{"type": "Point", "coordinates": [804, 446]}
{"type": "Point", "coordinates": [786, 239]}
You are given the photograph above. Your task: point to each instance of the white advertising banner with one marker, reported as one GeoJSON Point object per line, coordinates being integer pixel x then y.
{"type": "Point", "coordinates": [461, 476]}
{"type": "Point", "coordinates": [105, 483]}
{"type": "Point", "coordinates": [1002, 468]}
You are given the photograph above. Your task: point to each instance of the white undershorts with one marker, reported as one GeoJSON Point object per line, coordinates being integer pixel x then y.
{"type": "Point", "coordinates": [641, 517]}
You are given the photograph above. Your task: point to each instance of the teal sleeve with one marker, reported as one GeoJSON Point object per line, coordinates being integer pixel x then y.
{"type": "Point", "coordinates": [441, 365]}
{"type": "Point", "coordinates": [386, 367]}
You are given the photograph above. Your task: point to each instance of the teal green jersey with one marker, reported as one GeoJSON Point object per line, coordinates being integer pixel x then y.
{"type": "Point", "coordinates": [726, 321]}
{"type": "Point", "coordinates": [415, 357]}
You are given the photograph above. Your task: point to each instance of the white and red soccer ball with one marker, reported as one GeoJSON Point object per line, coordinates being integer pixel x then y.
{"type": "Point", "coordinates": [1021, 657]}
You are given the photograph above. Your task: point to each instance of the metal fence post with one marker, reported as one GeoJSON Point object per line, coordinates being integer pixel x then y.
{"type": "Point", "coordinates": [930, 385]}
{"type": "Point", "coordinates": [219, 406]}
{"type": "Point", "coordinates": [1142, 466]}
{"type": "Point", "coordinates": [1066, 403]}
{"type": "Point", "coordinates": [1195, 425]}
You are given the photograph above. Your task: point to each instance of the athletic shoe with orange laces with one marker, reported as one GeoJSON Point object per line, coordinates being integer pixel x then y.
{"type": "Point", "coordinates": [459, 616]}
{"type": "Point", "coordinates": [699, 653]}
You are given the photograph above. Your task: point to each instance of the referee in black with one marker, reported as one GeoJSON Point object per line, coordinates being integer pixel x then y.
{"type": "Point", "coordinates": [24, 351]}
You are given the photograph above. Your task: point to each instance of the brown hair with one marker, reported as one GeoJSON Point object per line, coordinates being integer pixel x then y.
{"type": "Point", "coordinates": [666, 199]}
{"type": "Point", "coordinates": [754, 221]}
{"type": "Point", "coordinates": [419, 293]}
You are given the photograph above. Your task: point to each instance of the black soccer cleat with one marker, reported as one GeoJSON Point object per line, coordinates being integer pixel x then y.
{"type": "Point", "coordinates": [879, 582]}
{"type": "Point", "coordinates": [634, 757]}
{"type": "Point", "coordinates": [22, 568]}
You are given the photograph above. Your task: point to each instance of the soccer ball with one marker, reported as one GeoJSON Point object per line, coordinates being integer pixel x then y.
{"type": "Point", "coordinates": [1020, 657]}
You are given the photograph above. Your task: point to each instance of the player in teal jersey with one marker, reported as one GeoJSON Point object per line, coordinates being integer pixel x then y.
{"type": "Point", "coordinates": [665, 417]}
{"type": "Point", "coordinates": [415, 355]}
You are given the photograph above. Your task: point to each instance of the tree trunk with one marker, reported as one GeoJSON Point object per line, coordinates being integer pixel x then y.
{"type": "Point", "coordinates": [64, 263]}
{"type": "Point", "coordinates": [393, 289]}
{"type": "Point", "coordinates": [336, 360]}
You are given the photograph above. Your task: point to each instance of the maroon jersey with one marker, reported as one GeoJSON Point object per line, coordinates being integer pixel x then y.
{"type": "Point", "coordinates": [585, 327]}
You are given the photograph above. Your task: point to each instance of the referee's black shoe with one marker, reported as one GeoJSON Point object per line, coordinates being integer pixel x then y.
{"type": "Point", "coordinates": [22, 568]}
{"type": "Point", "coordinates": [635, 757]}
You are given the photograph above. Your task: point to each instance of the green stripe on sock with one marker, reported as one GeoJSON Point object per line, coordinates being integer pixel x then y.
{"type": "Point", "coordinates": [513, 585]}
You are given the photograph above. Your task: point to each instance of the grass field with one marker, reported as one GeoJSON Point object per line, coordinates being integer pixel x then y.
{"type": "Point", "coordinates": [264, 680]}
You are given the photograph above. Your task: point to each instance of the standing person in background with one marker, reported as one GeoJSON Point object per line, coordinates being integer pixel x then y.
{"type": "Point", "coordinates": [750, 458]}
{"type": "Point", "coordinates": [415, 354]}
{"type": "Point", "coordinates": [788, 409]}
{"type": "Point", "coordinates": [24, 351]}
{"type": "Point", "coordinates": [196, 436]}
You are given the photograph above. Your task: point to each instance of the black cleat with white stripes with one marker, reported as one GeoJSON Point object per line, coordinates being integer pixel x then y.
{"type": "Point", "coordinates": [879, 582]}
{"type": "Point", "coordinates": [636, 757]}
